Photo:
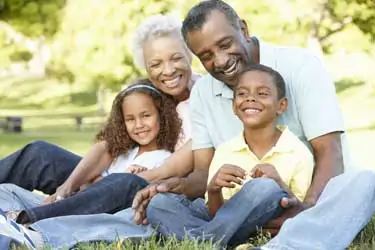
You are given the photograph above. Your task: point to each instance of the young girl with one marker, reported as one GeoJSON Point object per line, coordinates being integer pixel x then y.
{"type": "Point", "coordinates": [141, 132]}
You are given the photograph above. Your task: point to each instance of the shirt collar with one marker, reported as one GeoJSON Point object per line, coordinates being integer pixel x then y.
{"type": "Point", "coordinates": [285, 143]}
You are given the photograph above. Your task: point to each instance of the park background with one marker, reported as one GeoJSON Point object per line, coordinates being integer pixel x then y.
{"type": "Point", "coordinates": [63, 59]}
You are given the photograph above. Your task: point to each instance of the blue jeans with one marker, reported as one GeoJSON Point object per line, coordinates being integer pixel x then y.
{"type": "Point", "coordinates": [39, 165]}
{"type": "Point", "coordinates": [111, 194]}
{"type": "Point", "coordinates": [253, 206]}
{"type": "Point", "coordinates": [58, 232]}
{"type": "Point", "coordinates": [344, 208]}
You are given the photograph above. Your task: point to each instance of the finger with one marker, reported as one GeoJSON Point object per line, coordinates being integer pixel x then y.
{"type": "Point", "coordinates": [137, 218]}
{"type": "Point", "coordinates": [145, 221]}
{"type": "Point", "coordinates": [233, 170]}
{"type": "Point", "coordinates": [140, 196]}
{"type": "Point", "coordinates": [229, 179]}
{"type": "Point", "coordinates": [287, 202]}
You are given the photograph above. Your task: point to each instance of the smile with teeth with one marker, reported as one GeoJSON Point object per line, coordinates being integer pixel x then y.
{"type": "Point", "coordinates": [251, 111]}
{"type": "Point", "coordinates": [172, 82]}
{"type": "Point", "coordinates": [231, 69]}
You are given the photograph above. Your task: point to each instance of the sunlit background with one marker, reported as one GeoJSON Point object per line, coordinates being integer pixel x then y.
{"type": "Point", "coordinates": [61, 62]}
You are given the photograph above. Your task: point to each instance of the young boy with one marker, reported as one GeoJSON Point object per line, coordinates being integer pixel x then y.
{"type": "Point", "coordinates": [263, 149]}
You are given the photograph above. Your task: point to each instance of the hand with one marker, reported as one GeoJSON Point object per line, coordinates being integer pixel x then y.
{"type": "Point", "coordinates": [135, 169]}
{"type": "Point", "coordinates": [265, 170]}
{"type": "Point", "coordinates": [292, 207]}
{"type": "Point", "coordinates": [61, 193]}
{"type": "Point", "coordinates": [226, 176]}
{"type": "Point", "coordinates": [143, 197]}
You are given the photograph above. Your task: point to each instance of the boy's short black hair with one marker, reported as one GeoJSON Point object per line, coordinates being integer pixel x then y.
{"type": "Point", "coordinates": [278, 80]}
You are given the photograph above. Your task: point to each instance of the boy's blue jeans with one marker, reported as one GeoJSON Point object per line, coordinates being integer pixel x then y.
{"type": "Point", "coordinates": [252, 207]}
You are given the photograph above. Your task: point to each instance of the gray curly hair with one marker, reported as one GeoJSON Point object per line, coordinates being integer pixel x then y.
{"type": "Point", "coordinates": [153, 27]}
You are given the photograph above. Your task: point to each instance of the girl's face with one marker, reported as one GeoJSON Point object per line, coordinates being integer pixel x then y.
{"type": "Point", "coordinates": [142, 119]}
{"type": "Point", "coordinates": [168, 65]}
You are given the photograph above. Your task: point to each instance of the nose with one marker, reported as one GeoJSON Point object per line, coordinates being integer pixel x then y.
{"type": "Point", "coordinates": [221, 60]}
{"type": "Point", "coordinates": [250, 98]}
{"type": "Point", "coordinates": [138, 123]}
{"type": "Point", "coordinates": [169, 69]}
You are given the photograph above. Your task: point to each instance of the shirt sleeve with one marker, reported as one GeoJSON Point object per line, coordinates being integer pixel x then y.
{"type": "Point", "coordinates": [199, 131]}
{"type": "Point", "coordinates": [302, 176]}
{"type": "Point", "coordinates": [317, 104]}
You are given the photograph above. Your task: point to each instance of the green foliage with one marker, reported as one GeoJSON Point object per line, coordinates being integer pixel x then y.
{"type": "Point", "coordinates": [33, 18]}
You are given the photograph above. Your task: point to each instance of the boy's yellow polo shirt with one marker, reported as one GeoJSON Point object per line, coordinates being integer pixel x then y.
{"type": "Point", "coordinates": [292, 159]}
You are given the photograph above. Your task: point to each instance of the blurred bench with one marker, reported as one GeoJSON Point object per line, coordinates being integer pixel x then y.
{"type": "Point", "coordinates": [14, 124]}
{"type": "Point", "coordinates": [11, 124]}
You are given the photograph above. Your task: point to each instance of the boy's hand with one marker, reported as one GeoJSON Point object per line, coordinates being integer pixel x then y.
{"type": "Point", "coordinates": [135, 169]}
{"type": "Point", "coordinates": [226, 176]}
{"type": "Point", "coordinates": [265, 170]}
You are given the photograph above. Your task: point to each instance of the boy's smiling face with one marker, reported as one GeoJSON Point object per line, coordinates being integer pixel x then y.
{"type": "Point", "coordinates": [256, 101]}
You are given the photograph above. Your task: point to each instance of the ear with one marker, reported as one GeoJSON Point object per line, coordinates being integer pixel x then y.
{"type": "Point", "coordinates": [244, 29]}
{"type": "Point", "coordinates": [283, 105]}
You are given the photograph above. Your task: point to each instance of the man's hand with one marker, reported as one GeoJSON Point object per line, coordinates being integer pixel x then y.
{"type": "Point", "coordinates": [267, 171]}
{"type": "Point", "coordinates": [293, 207]}
{"type": "Point", "coordinates": [135, 169]}
{"type": "Point", "coordinates": [226, 176]}
{"type": "Point", "coordinates": [143, 197]}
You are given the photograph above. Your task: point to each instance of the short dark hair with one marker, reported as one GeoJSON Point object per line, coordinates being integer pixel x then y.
{"type": "Point", "coordinates": [197, 16]}
{"type": "Point", "coordinates": [278, 80]}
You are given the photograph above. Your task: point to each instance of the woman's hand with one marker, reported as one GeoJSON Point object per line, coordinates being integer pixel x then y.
{"type": "Point", "coordinates": [135, 169]}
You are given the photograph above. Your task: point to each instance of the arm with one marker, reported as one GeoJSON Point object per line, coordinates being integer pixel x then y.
{"type": "Point", "coordinates": [320, 116]}
{"type": "Point", "coordinates": [329, 163]}
{"type": "Point", "coordinates": [179, 164]}
{"type": "Point", "coordinates": [215, 201]}
{"type": "Point", "coordinates": [91, 166]}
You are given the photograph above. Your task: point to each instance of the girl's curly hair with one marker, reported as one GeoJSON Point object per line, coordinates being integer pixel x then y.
{"type": "Point", "coordinates": [114, 133]}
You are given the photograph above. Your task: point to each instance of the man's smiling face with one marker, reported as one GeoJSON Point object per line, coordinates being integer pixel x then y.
{"type": "Point", "coordinates": [223, 49]}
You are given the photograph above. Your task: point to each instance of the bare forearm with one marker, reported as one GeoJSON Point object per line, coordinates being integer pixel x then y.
{"type": "Point", "coordinates": [91, 166]}
{"type": "Point", "coordinates": [328, 164]}
{"type": "Point", "coordinates": [215, 201]}
{"type": "Point", "coordinates": [178, 165]}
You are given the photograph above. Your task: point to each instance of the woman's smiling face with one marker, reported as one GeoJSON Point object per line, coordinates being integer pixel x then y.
{"type": "Point", "coordinates": [168, 64]}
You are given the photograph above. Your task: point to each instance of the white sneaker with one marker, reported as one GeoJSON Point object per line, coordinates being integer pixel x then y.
{"type": "Point", "coordinates": [17, 232]}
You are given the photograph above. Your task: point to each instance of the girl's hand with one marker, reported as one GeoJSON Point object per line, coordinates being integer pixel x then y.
{"type": "Point", "coordinates": [135, 169]}
{"type": "Point", "coordinates": [226, 176]}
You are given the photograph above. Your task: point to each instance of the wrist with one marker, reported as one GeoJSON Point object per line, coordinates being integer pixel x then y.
{"type": "Point", "coordinates": [213, 190]}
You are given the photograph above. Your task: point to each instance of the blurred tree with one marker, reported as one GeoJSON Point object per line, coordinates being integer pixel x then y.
{"type": "Point", "coordinates": [27, 25]}
{"type": "Point", "coordinates": [94, 45]}
{"type": "Point", "coordinates": [33, 18]}
{"type": "Point", "coordinates": [308, 22]}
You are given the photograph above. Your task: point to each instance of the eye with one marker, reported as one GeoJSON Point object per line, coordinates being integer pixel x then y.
{"type": "Point", "coordinates": [205, 57]}
{"type": "Point", "coordinates": [263, 93]}
{"type": "Point", "coordinates": [154, 65]}
{"type": "Point", "coordinates": [226, 44]}
{"type": "Point", "coordinates": [129, 119]}
{"type": "Point", "coordinates": [241, 93]}
{"type": "Point", "coordinates": [177, 58]}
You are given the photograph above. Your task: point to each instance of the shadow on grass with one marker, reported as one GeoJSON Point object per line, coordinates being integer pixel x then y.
{"type": "Point", "coordinates": [347, 83]}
